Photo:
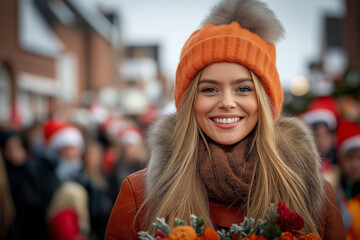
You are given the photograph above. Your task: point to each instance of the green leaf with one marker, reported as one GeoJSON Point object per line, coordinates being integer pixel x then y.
{"type": "Point", "coordinates": [236, 228]}
{"type": "Point", "coordinates": [270, 228]}
{"type": "Point", "coordinates": [247, 227]}
{"type": "Point", "coordinates": [272, 216]}
{"type": "Point", "coordinates": [224, 235]}
{"type": "Point", "coordinates": [179, 222]}
{"type": "Point", "coordinates": [198, 224]}
{"type": "Point", "coordinates": [259, 227]}
{"type": "Point", "coordinates": [145, 236]}
{"type": "Point", "coordinates": [162, 226]}
{"type": "Point", "coordinates": [271, 232]}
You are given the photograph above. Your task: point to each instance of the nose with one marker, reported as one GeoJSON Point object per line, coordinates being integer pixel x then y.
{"type": "Point", "coordinates": [227, 101]}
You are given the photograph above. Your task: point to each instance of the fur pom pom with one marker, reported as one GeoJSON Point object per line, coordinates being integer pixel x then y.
{"type": "Point", "coordinates": [250, 14]}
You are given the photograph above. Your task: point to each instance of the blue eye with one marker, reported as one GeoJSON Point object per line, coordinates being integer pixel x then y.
{"type": "Point", "coordinates": [208, 90]}
{"type": "Point", "coordinates": [244, 89]}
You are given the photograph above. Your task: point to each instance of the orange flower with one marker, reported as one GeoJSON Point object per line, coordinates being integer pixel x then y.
{"type": "Point", "coordinates": [310, 236]}
{"type": "Point", "coordinates": [287, 236]}
{"type": "Point", "coordinates": [209, 234]}
{"type": "Point", "coordinates": [182, 233]}
{"type": "Point", "coordinates": [254, 237]}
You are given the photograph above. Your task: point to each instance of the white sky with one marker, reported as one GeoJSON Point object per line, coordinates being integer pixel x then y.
{"type": "Point", "coordinates": [169, 23]}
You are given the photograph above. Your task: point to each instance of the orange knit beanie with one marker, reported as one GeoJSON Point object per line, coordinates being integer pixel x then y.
{"type": "Point", "coordinates": [225, 38]}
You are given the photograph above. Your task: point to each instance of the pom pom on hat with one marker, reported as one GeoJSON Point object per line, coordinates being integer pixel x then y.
{"type": "Point", "coordinates": [250, 14]}
{"type": "Point", "coordinates": [59, 134]}
{"type": "Point", "coordinates": [348, 136]}
{"type": "Point", "coordinates": [236, 31]}
{"type": "Point", "coordinates": [322, 110]}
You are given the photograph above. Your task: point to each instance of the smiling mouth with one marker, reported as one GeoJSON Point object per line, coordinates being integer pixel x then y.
{"type": "Point", "coordinates": [227, 120]}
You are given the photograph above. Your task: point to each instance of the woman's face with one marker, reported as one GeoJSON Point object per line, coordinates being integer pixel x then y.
{"type": "Point", "coordinates": [226, 106]}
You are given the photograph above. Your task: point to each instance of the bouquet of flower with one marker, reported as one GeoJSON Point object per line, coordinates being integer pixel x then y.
{"type": "Point", "coordinates": [280, 223]}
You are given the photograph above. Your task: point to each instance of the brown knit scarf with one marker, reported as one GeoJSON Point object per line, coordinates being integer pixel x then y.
{"type": "Point", "coordinates": [227, 173]}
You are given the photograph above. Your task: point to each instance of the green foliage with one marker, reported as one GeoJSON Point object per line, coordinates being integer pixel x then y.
{"type": "Point", "coordinates": [272, 216]}
{"type": "Point", "coordinates": [224, 235]}
{"type": "Point", "coordinates": [145, 236]}
{"type": "Point", "coordinates": [258, 229]}
{"type": "Point", "coordinates": [179, 222]}
{"type": "Point", "coordinates": [198, 224]}
{"type": "Point", "coordinates": [161, 225]}
{"type": "Point", "coordinates": [248, 227]}
{"type": "Point", "coordinates": [270, 227]}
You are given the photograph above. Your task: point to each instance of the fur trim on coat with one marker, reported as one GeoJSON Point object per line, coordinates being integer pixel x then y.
{"type": "Point", "coordinates": [293, 137]}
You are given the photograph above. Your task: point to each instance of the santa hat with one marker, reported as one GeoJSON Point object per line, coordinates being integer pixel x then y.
{"type": "Point", "coordinates": [131, 135]}
{"type": "Point", "coordinates": [59, 134]}
{"type": "Point", "coordinates": [348, 136]}
{"type": "Point", "coordinates": [322, 110]}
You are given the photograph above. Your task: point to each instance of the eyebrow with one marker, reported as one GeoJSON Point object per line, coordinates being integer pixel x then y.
{"type": "Point", "coordinates": [236, 81]}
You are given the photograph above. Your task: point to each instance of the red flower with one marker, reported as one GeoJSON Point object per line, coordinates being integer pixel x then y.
{"type": "Point", "coordinates": [161, 235]}
{"type": "Point", "coordinates": [288, 220]}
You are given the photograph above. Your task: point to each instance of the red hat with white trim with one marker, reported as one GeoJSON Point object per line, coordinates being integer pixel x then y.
{"type": "Point", "coordinates": [59, 134]}
{"type": "Point", "coordinates": [322, 109]}
{"type": "Point", "coordinates": [348, 136]}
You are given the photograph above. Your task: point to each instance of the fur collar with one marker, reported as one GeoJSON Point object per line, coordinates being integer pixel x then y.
{"type": "Point", "coordinates": [293, 137]}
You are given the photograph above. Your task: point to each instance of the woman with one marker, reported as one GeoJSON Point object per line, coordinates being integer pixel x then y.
{"type": "Point", "coordinates": [226, 153]}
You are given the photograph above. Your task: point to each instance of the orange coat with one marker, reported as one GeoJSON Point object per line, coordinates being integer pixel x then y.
{"type": "Point", "coordinates": [121, 225]}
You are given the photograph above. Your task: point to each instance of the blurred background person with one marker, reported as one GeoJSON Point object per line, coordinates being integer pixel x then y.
{"type": "Point", "coordinates": [23, 178]}
{"type": "Point", "coordinates": [64, 146]}
{"type": "Point", "coordinates": [349, 157]}
{"type": "Point", "coordinates": [92, 178]}
{"type": "Point", "coordinates": [67, 215]}
{"type": "Point", "coordinates": [348, 136]}
{"type": "Point", "coordinates": [134, 155]}
{"type": "Point", "coordinates": [322, 116]}
{"type": "Point", "coordinates": [7, 209]}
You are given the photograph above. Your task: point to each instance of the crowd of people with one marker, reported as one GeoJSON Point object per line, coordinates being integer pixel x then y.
{"type": "Point", "coordinates": [59, 180]}
{"type": "Point", "coordinates": [338, 142]}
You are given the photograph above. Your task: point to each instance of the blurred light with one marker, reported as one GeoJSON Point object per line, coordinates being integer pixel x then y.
{"type": "Point", "coordinates": [299, 86]}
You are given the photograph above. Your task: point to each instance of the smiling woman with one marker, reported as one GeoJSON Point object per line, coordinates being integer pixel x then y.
{"type": "Point", "coordinates": [226, 107]}
{"type": "Point", "coordinates": [227, 153]}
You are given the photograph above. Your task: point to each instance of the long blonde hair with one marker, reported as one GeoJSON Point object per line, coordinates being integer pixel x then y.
{"type": "Point", "coordinates": [179, 191]}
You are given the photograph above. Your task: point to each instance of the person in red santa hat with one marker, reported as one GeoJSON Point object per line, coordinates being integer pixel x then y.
{"type": "Point", "coordinates": [67, 214]}
{"type": "Point", "coordinates": [64, 145]}
{"type": "Point", "coordinates": [348, 144]}
{"type": "Point", "coordinates": [322, 116]}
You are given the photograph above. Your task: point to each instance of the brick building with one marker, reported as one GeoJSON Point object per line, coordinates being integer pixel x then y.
{"type": "Point", "coordinates": [53, 51]}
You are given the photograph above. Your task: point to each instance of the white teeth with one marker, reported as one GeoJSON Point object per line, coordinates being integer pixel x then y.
{"type": "Point", "coordinates": [226, 120]}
